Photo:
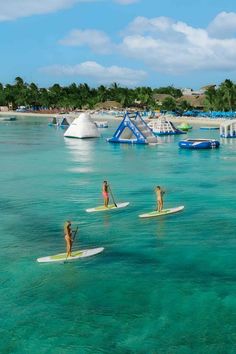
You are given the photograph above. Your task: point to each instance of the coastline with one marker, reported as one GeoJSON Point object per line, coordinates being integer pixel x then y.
{"type": "Point", "coordinates": [180, 119]}
{"type": "Point", "coordinates": [26, 114]}
{"type": "Point", "coordinates": [201, 121]}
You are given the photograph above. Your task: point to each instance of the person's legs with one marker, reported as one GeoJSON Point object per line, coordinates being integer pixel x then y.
{"type": "Point", "coordinates": [160, 205]}
{"type": "Point", "coordinates": [68, 248]}
{"type": "Point", "coordinates": [106, 199]}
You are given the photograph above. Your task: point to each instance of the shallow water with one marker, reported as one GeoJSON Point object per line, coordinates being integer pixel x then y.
{"type": "Point", "coordinates": [164, 285]}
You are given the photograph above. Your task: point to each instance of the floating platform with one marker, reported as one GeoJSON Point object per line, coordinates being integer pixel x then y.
{"type": "Point", "coordinates": [199, 144]}
{"type": "Point", "coordinates": [133, 130]}
{"type": "Point", "coordinates": [8, 119]}
{"type": "Point", "coordinates": [162, 126]}
{"type": "Point", "coordinates": [101, 124]}
{"type": "Point", "coordinates": [209, 128]}
{"type": "Point", "coordinates": [60, 121]}
{"type": "Point", "coordinates": [82, 127]}
{"type": "Point", "coordinates": [184, 127]}
{"type": "Point", "coordinates": [228, 129]}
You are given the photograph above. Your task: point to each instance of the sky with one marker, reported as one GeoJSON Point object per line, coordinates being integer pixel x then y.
{"type": "Point", "coordinates": [184, 43]}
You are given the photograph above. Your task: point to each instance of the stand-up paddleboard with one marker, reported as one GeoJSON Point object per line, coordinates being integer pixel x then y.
{"type": "Point", "coordinates": [154, 214]}
{"type": "Point", "coordinates": [61, 257]}
{"type": "Point", "coordinates": [110, 207]}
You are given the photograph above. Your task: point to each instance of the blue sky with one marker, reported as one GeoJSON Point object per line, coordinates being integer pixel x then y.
{"type": "Point", "coordinates": [154, 43]}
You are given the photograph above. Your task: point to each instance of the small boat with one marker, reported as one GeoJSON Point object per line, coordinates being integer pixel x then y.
{"type": "Point", "coordinates": [8, 119]}
{"type": "Point", "coordinates": [209, 128]}
{"type": "Point", "coordinates": [101, 124]}
{"type": "Point", "coordinates": [184, 127]}
{"type": "Point", "coordinates": [199, 144]}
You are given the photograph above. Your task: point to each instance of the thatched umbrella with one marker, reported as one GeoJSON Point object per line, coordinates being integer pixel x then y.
{"type": "Point", "coordinates": [196, 101]}
{"type": "Point", "coordinates": [108, 105]}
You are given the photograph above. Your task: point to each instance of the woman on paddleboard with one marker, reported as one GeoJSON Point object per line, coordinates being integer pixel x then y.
{"type": "Point", "coordinates": [68, 238]}
{"type": "Point", "coordinates": [159, 195]}
{"type": "Point", "coordinates": [105, 193]}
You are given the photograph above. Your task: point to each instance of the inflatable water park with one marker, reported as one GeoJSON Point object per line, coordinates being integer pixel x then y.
{"type": "Point", "coordinates": [82, 127]}
{"type": "Point", "coordinates": [162, 126]}
{"type": "Point", "coordinates": [184, 127]}
{"type": "Point", "coordinates": [228, 129]}
{"type": "Point", "coordinates": [199, 144]}
{"type": "Point", "coordinates": [133, 130]}
{"type": "Point", "coordinates": [101, 124]}
{"type": "Point", "coordinates": [60, 121]}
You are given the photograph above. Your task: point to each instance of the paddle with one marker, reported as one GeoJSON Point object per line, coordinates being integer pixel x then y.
{"type": "Point", "coordinates": [112, 196]}
{"type": "Point", "coordinates": [75, 232]}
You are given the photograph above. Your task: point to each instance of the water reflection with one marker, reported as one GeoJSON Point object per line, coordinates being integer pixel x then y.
{"type": "Point", "coordinates": [106, 219]}
{"type": "Point", "coordinates": [161, 228]}
{"type": "Point", "coordinates": [228, 141]}
{"type": "Point", "coordinates": [82, 153]}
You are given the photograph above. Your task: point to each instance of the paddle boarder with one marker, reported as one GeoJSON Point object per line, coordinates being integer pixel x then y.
{"type": "Point", "coordinates": [68, 238]}
{"type": "Point", "coordinates": [105, 193]}
{"type": "Point", "coordinates": [159, 195]}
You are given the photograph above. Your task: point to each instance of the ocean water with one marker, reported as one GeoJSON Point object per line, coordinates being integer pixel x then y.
{"type": "Point", "coordinates": [164, 285]}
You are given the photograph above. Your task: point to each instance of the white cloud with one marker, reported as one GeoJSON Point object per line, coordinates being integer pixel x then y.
{"type": "Point", "coordinates": [223, 25]}
{"type": "Point", "coordinates": [98, 41]}
{"type": "Point", "coordinates": [13, 9]}
{"type": "Point", "coordinates": [174, 47]}
{"type": "Point", "coordinates": [169, 46]}
{"type": "Point", "coordinates": [100, 74]}
{"type": "Point", "coordinates": [143, 25]}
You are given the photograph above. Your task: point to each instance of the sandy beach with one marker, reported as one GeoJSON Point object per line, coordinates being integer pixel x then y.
{"type": "Point", "coordinates": [201, 121]}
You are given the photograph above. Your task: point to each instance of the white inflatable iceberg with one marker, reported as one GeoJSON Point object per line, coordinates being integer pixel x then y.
{"type": "Point", "coordinates": [82, 127]}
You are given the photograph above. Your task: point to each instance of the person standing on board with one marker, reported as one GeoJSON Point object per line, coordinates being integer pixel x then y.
{"type": "Point", "coordinates": [68, 238]}
{"type": "Point", "coordinates": [105, 193]}
{"type": "Point", "coordinates": [159, 195]}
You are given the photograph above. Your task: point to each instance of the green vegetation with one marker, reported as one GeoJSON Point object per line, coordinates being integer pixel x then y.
{"type": "Point", "coordinates": [221, 99]}
{"type": "Point", "coordinates": [80, 96]}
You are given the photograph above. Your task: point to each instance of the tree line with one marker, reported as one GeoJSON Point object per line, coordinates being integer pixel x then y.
{"type": "Point", "coordinates": [79, 96]}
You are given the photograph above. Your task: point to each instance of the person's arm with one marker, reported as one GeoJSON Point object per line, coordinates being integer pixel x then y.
{"type": "Point", "coordinates": [68, 231]}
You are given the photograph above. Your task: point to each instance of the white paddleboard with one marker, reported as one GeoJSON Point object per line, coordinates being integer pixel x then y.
{"type": "Point", "coordinates": [61, 257]}
{"type": "Point", "coordinates": [110, 207]}
{"type": "Point", "coordinates": [154, 214]}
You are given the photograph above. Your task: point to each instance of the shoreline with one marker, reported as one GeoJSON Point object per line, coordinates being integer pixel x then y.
{"type": "Point", "coordinates": [25, 114]}
{"type": "Point", "coordinates": [181, 119]}
{"type": "Point", "coordinates": [194, 120]}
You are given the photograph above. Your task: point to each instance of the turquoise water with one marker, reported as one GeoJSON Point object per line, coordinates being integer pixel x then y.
{"type": "Point", "coordinates": [164, 285]}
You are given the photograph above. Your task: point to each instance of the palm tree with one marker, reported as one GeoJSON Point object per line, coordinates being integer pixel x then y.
{"type": "Point", "coordinates": [228, 91]}
{"type": "Point", "coordinates": [210, 100]}
{"type": "Point", "coordinates": [169, 104]}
